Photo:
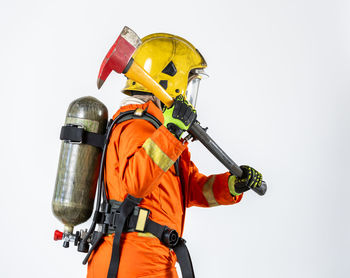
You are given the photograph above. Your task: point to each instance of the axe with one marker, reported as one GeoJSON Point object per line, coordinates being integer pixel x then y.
{"type": "Point", "coordinates": [119, 58]}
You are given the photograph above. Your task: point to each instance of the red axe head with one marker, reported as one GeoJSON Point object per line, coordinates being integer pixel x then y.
{"type": "Point", "coordinates": [120, 54]}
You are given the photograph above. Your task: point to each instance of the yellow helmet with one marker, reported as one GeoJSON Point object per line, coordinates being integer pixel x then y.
{"type": "Point", "coordinates": [169, 60]}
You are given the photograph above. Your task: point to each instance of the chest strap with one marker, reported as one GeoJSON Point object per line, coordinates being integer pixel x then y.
{"type": "Point", "coordinates": [129, 217]}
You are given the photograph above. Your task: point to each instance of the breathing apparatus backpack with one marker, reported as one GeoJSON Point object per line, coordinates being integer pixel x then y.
{"type": "Point", "coordinates": [85, 137]}
{"type": "Point", "coordinates": [78, 168]}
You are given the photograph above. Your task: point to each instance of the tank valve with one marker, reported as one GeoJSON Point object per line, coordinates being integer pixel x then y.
{"type": "Point", "coordinates": [57, 235]}
{"type": "Point", "coordinates": [76, 238]}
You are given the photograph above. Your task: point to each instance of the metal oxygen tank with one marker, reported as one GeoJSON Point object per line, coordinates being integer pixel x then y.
{"type": "Point", "coordinates": [78, 167]}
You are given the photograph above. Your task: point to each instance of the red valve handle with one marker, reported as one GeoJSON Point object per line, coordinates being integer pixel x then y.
{"type": "Point", "coordinates": [57, 235]}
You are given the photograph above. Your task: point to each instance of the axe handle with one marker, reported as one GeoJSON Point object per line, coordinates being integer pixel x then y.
{"type": "Point", "coordinates": [137, 73]}
{"type": "Point", "coordinates": [199, 133]}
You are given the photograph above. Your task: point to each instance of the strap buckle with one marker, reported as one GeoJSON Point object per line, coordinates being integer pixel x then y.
{"type": "Point", "coordinates": [141, 219]}
{"type": "Point", "coordinates": [139, 112]}
{"type": "Point", "coordinates": [110, 219]}
{"type": "Point", "coordinates": [170, 237]}
{"type": "Point", "coordinates": [76, 133]}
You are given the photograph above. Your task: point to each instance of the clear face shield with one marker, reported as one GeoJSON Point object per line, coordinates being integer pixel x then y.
{"type": "Point", "coordinates": [194, 79]}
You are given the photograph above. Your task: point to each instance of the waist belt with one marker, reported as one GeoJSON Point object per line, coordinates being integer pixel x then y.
{"type": "Point", "coordinates": [127, 216]}
{"type": "Point", "coordinates": [138, 221]}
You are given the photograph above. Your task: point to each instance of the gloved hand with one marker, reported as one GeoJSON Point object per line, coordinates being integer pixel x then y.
{"type": "Point", "coordinates": [250, 178]}
{"type": "Point", "coordinates": [179, 117]}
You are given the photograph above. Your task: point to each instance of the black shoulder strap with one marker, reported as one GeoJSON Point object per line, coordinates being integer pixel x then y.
{"type": "Point", "coordinates": [129, 204]}
{"type": "Point", "coordinates": [122, 117]}
{"type": "Point", "coordinates": [101, 191]}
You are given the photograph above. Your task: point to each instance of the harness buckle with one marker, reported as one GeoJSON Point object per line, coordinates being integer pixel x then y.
{"type": "Point", "coordinates": [141, 219]}
{"type": "Point", "coordinates": [139, 112]}
{"type": "Point", "coordinates": [110, 220]}
{"type": "Point", "coordinates": [170, 237]}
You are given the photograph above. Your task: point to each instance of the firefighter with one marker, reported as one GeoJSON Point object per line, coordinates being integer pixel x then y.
{"type": "Point", "coordinates": [155, 164]}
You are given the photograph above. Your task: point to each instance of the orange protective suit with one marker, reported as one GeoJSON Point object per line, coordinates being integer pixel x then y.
{"type": "Point", "coordinates": [140, 162]}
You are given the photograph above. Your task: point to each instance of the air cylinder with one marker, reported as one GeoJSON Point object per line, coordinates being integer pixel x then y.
{"type": "Point", "coordinates": [78, 165]}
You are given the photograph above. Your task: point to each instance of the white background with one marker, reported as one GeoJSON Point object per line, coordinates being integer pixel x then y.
{"type": "Point", "coordinates": [277, 99]}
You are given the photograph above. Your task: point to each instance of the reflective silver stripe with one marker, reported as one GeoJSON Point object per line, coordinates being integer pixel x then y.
{"type": "Point", "coordinates": [157, 155]}
{"type": "Point", "coordinates": [208, 192]}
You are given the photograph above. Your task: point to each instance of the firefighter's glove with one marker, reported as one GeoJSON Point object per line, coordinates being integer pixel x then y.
{"type": "Point", "coordinates": [250, 179]}
{"type": "Point", "coordinates": [179, 117]}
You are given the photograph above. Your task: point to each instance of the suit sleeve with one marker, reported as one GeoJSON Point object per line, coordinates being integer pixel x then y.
{"type": "Point", "coordinates": [144, 155]}
{"type": "Point", "coordinates": [209, 191]}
